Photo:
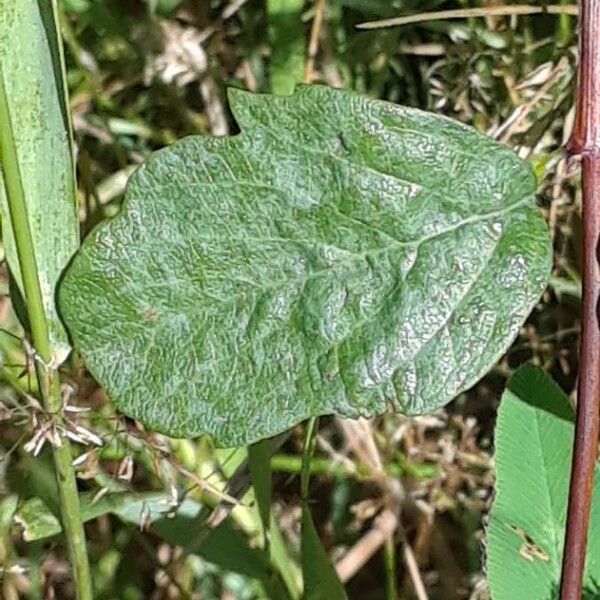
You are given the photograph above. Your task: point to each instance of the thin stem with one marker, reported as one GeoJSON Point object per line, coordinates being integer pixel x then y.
{"type": "Point", "coordinates": [313, 44]}
{"type": "Point", "coordinates": [47, 374]}
{"type": "Point", "coordinates": [307, 453]}
{"type": "Point", "coordinates": [389, 554]}
{"type": "Point", "coordinates": [585, 141]}
{"type": "Point", "coordinates": [259, 464]}
{"type": "Point", "coordinates": [415, 575]}
{"type": "Point", "coordinates": [467, 13]}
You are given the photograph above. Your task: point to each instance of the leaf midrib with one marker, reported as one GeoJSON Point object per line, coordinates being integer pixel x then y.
{"type": "Point", "coordinates": [362, 322]}
{"type": "Point", "coordinates": [355, 255]}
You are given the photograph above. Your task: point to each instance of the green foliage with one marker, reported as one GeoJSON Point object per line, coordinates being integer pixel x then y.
{"type": "Point", "coordinates": [39, 125]}
{"type": "Point", "coordinates": [287, 35]}
{"type": "Point", "coordinates": [163, 7]}
{"type": "Point", "coordinates": [259, 456]}
{"type": "Point", "coordinates": [534, 439]}
{"type": "Point", "coordinates": [223, 546]}
{"type": "Point", "coordinates": [341, 255]}
{"type": "Point", "coordinates": [259, 459]}
{"type": "Point", "coordinates": [133, 90]}
{"type": "Point", "coordinates": [38, 522]}
{"type": "Point", "coordinates": [320, 579]}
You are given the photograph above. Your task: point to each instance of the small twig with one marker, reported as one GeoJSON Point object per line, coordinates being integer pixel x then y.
{"type": "Point", "coordinates": [337, 457]}
{"type": "Point", "coordinates": [522, 112]}
{"type": "Point", "coordinates": [466, 13]}
{"type": "Point", "coordinates": [359, 436]}
{"type": "Point", "coordinates": [229, 11]}
{"type": "Point", "coordinates": [232, 8]}
{"type": "Point", "coordinates": [384, 527]}
{"type": "Point", "coordinates": [391, 577]}
{"type": "Point", "coordinates": [203, 484]}
{"type": "Point", "coordinates": [585, 141]}
{"type": "Point", "coordinates": [413, 570]}
{"type": "Point", "coordinates": [184, 60]}
{"type": "Point", "coordinates": [313, 44]}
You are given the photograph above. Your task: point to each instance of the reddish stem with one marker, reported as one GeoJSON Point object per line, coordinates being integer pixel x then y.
{"type": "Point", "coordinates": [585, 142]}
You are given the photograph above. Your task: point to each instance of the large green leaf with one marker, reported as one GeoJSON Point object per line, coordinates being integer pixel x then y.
{"type": "Point", "coordinates": [534, 439]}
{"type": "Point", "coordinates": [340, 255]}
{"type": "Point", "coordinates": [30, 67]}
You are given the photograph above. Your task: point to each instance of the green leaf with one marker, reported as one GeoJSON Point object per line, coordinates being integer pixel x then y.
{"type": "Point", "coordinates": [228, 548]}
{"type": "Point", "coordinates": [340, 255]}
{"type": "Point", "coordinates": [320, 578]}
{"type": "Point", "coordinates": [259, 464]}
{"type": "Point", "coordinates": [284, 563]}
{"type": "Point", "coordinates": [39, 522]}
{"type": "Point", "coordinates": [287, 35]}
{"type": "Point", "coordinates": [30, 59]}
{"type": "Point", "coordinates": [163, 8]}
{"type": "Point", "coordinates": [321, 581]}
{"type": "Point", "coordinates": [534, 439]}
{"type": "Point", "coordinates": [224, 546]}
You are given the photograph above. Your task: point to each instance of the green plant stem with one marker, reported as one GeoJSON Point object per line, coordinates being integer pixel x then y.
{"type": "Point", "coordinates": [288, 43]}
{"type": "Point", "coordinates": [286, 463]}
{"type": "Point", "coordinates": [47, 373]}
{"type": "Point", "coordinates": [259, 456]}
{"type": "Point", "coordinates": [389, 554]}
{"type": "Point", "coordinates": [307, 453]}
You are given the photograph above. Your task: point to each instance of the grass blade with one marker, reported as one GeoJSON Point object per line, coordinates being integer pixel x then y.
{"type": "Point", "coordinates": [31, 61]}
{"type": "Point", "coordinates": [39, 223]}
{"type": "Point", "coordinates": [320, 578]}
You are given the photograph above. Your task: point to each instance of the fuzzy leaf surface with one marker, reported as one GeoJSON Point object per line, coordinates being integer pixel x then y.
{"type": "Point", "coordinates": [340, 255]}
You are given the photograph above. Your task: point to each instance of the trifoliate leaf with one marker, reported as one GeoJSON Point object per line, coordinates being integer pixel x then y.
{"type": "Point", "coordinates": [534, 442]}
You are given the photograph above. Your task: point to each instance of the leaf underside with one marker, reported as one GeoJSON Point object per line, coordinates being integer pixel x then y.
{"type": "Point", "coordinates": [340, 255]}
{"type": "Point", "coordinates": [534, 440]}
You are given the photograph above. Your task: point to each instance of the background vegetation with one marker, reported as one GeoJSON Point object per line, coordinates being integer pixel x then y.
{"type": "Point", "coordinates": [144, 74]}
